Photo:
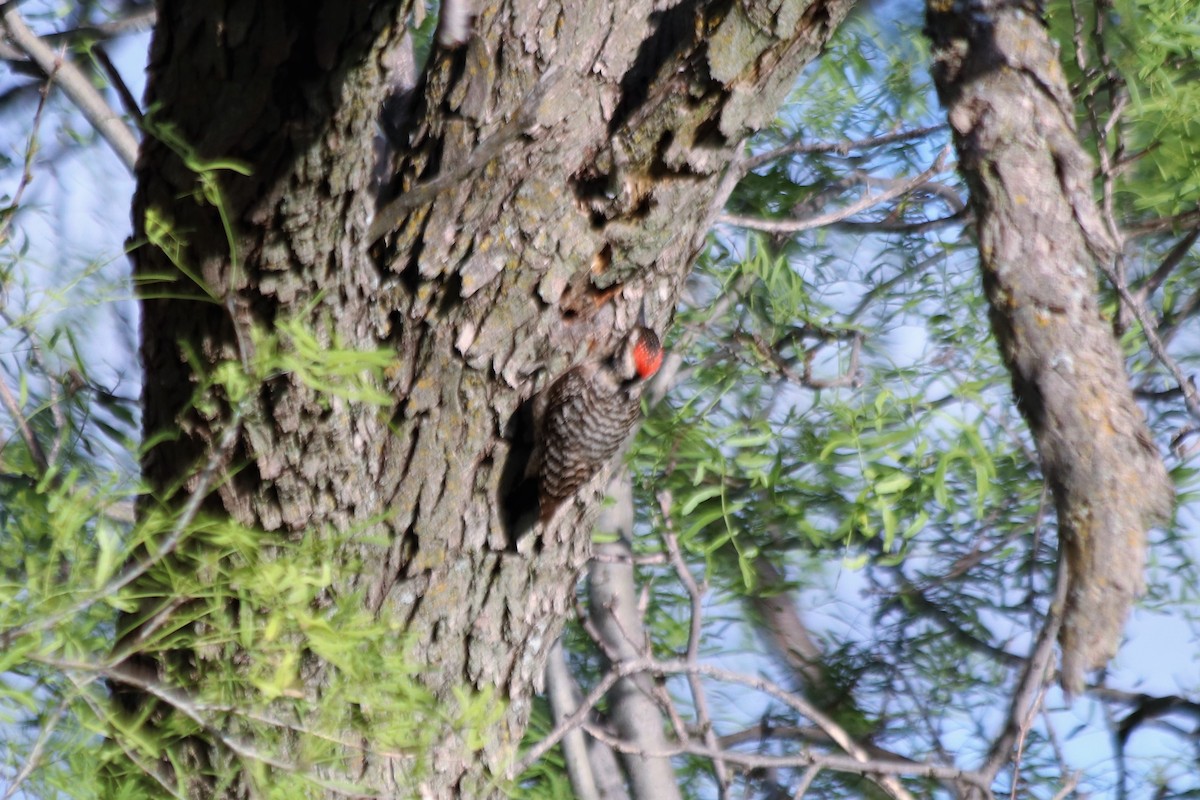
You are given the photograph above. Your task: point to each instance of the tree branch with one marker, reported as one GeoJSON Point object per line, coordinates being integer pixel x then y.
{"type": "Point", "coordinates": [898, 189]}
{"type": "Point", "coordinates": [695, 592]}
{"type": "Point", "coordinates": [843, 148]}
{"type": "Point", "coordinates": [74, 83]}
{"type": "Point", "coordinates": [636, 705]}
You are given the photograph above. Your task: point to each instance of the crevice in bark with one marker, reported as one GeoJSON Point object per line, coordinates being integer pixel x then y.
{"type": "Point", "coordinates": [674, 31]}
{"type": "Point", "coordinates": [518, 497]}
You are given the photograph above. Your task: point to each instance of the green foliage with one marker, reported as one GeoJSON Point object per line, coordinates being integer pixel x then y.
{"type": "Point", "coordinates": [1148, 53]}
{"type": "Point", "coordinates": [226, 589]}
{"type": "Point", "coordinates": [262, 613]}
{"type": "Point", "coordinates": [871, 77]}
{"type": "Point", "coordinates": [843, 437]}
{"type": "Point", "coordinates": [1157, 43]}
{"type": "Point", "coordinates": [837, 469]}
{"type": "Point", "coordinates": [845, 417]}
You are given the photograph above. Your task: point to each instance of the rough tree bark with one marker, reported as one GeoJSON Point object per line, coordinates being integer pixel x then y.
{"type": "Point", "coordinates": [1041, 239]}
{"type": "Point", "coordinates": [556, 172]}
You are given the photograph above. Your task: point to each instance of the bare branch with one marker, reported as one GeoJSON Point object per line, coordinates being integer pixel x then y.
{"type": "Point", "coordinates": [1068, 787]}
{"type": "Point", "coordinates": [1172, 260]}
{"type": "Point", "coordinates": [128, 101]}
{"type": "Point", "coordinates": [899, 189]}
{"type": "Point", "coordinates": [134, 20]}
{"type": "Point", "coordinates": [871, 768]}
{"type": "Point", "coordinates": [32, 444]}
{"type": "Point", "coordinates": [637, 705]}
{"type": "Point", "coordinates": [859, 761]}
{"type": "Point", "coordinates": [562, 694]}
{"type": "Point", "coordinates": [575, 720]}
{"type": "Point", "coordinates": [844, 147]}
{"type": "Point", "coordinates": [76, 85]}
{"type": "Point", "coordinates": [806, 780]}
{"type": "Point", "coordinates": [1150, 330]}
{"type": "Point", "coordinates": [1149, 227]}
{"type": "Point", "coordinates": [960, 217]}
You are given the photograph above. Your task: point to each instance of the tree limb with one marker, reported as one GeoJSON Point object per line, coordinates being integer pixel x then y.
{"type": "Point", "coordinates": [78, 88]}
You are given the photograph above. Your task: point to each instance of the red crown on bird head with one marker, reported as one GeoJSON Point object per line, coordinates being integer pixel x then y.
{"type": "Point", "coordinates": [647, 353]}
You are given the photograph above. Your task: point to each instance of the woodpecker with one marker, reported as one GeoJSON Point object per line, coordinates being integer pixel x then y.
{"type": "Point", "coordinates": [587, 415]}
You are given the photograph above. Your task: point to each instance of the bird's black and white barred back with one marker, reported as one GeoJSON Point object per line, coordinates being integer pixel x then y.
{"type": "Point", "coordinates": [589, 412]}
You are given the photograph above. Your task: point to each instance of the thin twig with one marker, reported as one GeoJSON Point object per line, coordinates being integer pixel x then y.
{"type": "Point", "coordinates": [128, 101]}
{"type": "Point", "coordinates": [576, 718]}
{"type": "Point", "coordinates": [806, 781]}
{"type": "Point", "coordinates": [1119, 741]}
{"type": "Point", "coordinates": [1149, 227]}
{"type": "Point", "coordinates": [54, 382]}
{"type": "Point", "coordinates": [1056, 746]}
{"type": "Point", "coordinates": [1172, 260]}
{"type": "Point", "coordinates": [1068, 787]}
{"type": "Point", "coordinates": [1150, 331]}
{"type": "Point", "coordinates": [857, 754]}
{"type": "Point", "coordinates": [27, 166]}
{"type": "Point", "coordinates": [960, 217]}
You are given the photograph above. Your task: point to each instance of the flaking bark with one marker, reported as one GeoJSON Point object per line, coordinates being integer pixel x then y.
{"type": "Point", "coordinates": [1040, 240]}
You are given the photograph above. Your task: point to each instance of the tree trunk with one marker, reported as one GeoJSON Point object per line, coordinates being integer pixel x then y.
{"type": "Point", "coordinates": [1040, 240]}
{"type": "Point", "coordinates": [556, 173]}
